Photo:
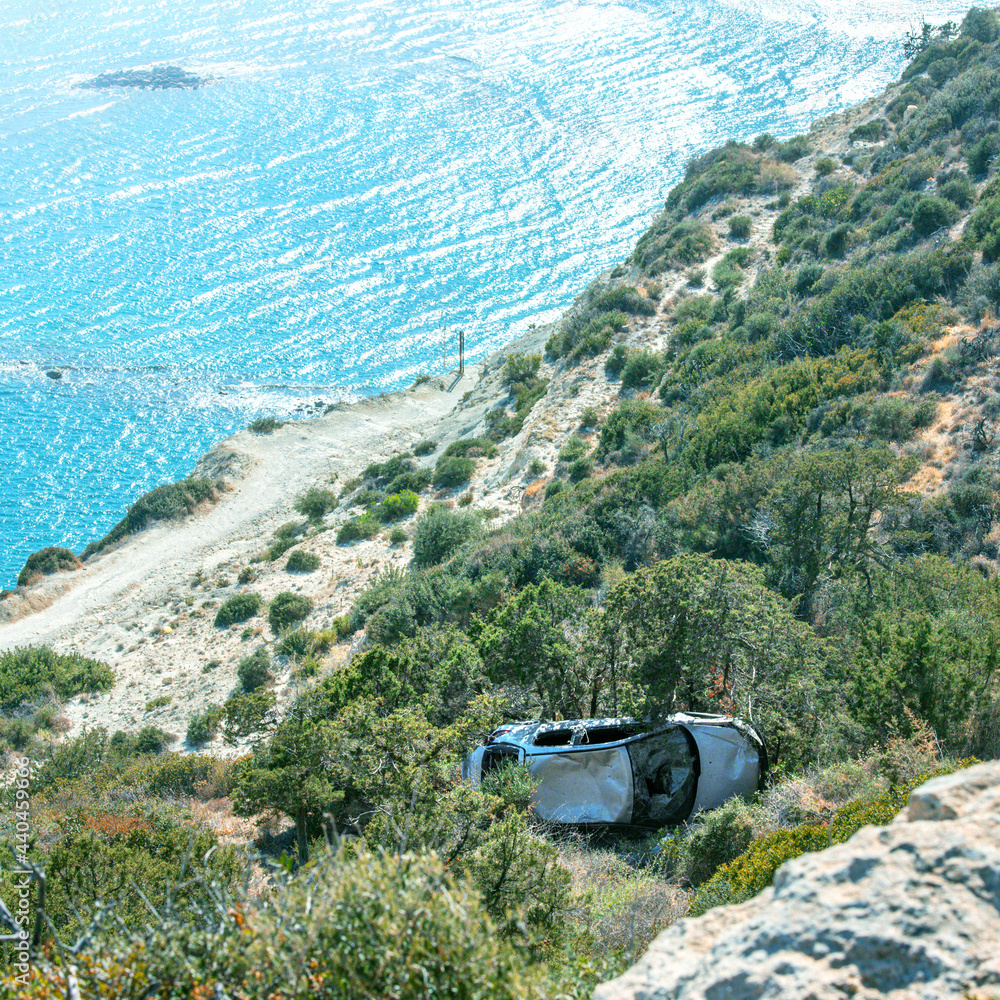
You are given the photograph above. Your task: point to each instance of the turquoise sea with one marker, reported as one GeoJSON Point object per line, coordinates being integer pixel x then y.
{"type": "Point", "coordinates": [356, 182]}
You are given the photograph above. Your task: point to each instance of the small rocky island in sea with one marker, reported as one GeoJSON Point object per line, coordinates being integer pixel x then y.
{"type": "Point", "coordinates": [154, 78]}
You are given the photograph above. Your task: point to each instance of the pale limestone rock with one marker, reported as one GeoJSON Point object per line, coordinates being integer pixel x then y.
{"type": "Point", "coordinates": [907, 911]}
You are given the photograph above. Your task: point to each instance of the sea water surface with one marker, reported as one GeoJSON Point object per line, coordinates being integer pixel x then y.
{"type": "Point", "coordinates": [355, 183]}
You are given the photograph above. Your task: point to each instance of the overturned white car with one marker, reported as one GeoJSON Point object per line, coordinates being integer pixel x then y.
{"type": "Point", "coordinates": [621, 772]}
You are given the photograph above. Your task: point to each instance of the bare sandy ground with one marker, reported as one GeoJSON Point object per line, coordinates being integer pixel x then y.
{"type": "Point", "coordinates": [147, 607]}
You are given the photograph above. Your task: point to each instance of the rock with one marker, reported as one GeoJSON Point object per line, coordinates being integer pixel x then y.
{"type": "Point", "coordinates": [907, 911]}
{"type": "Point", "coordinates": [53, 374]}
{"type": "Point", "coordinates": [155, 78]}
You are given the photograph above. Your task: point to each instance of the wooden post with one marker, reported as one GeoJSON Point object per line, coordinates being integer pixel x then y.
{"type": "Point", "coordinates": [461, 352]}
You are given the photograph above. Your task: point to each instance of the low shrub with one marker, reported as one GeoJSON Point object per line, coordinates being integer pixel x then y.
{"type": "Point", "coordinates": [753, 870]}
{"type": "Point", "coordinates": [315, 503]}
{"type": "Point", "coordinates": [148, 740]}
{"type": "Point", "coordinates": [28, 672]}
{"type": "Point", "coordinates": [424, 447]}
{"type": "Point", "coordinates": [720, 836]}
{"type": "Point", "coordinates": [624, 299]}
{"type": "Point", "coordinates": [354, 924]}
{"type": "Point", "coordinates": [45, 562]}
{"type": "Point", "coordinates": [454, 471]}
{"type": "Point", "coordinates": [415, 481]}
{"type": "Point", "coordinates": [465, 446]}
{"type": "Point", "coordinates": [162, 504]}
{"type": "Point", "coordinates": [398, 536]}
{"type": "Point", "coordinates": [825, 165]}
{"type": "Point", "coordinates": [874, 131]}
{"type": "Point", "coordinates": [519, 367]}
{"type": "Point", "coordinates": [287, 610]}
{"type": "Point", "coordinates": [301, 561]}
{"type": "Point", "coordinates": [931, 214]}
{"type": "Point", "coordinates": [364, 526]}
{"type": "Point", "coordinates": [203, 726]}
{"type": "Point", "coordinates": [573, 449]}
{"type": "Point", "coordinates": [642, 370]}
{"type": "Point", "coordinates": [265, 425]}
{"type": "Point", "coordinates": [617, 359]}
{"type": "Point", "coordinates": [237, 608]}
{"type": "Point", "coordinates": [297, 643]}
{"type": "Point", "coordinates": [439, 532]}
{"type": "Point", "coordinates": [397, 506]}
{"type": "Point", "coordinates": [254, 671]}
{"type": "Point", "coordinates": [740, 227]}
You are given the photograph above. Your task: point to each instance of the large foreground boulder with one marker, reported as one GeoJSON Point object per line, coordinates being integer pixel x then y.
{"type": "Point", "coordinates": [911, 910]}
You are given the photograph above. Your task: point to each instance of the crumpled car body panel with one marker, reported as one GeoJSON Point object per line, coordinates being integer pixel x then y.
{"type": "Point", "coordinates": [619, 772]}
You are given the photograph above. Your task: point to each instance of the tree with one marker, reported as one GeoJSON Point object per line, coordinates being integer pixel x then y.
{"type": "Point", "coordinates": [701, 634]}
{"type": "Point", "coordinates": [822, 518]}
{"type": "Point", "coordinates": [527, 641]}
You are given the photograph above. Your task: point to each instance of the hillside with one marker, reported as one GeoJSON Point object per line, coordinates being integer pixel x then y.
{"type": "Point", "coordinates": [753, 470]}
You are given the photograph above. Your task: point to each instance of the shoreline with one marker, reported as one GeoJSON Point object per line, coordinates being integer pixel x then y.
{"type": "Point", "coordinates": [145, 606]}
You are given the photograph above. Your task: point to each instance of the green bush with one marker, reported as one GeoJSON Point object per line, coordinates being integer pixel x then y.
{"type": "Point", "coordinates": [792, 149]}
{"type": "Point", "coordinates": [617, 359]}
{"type": "Point", "coordinates": [265, 425]}
{"type": "Point", "coordinates": [931, 214]}
{"type": "Point", "coordinates": [27, 673]}
{"type": "Point", "coordinates": [439, 532]}
{"type": "Point", "coordinates": [957, 188]}
{"type": "Point", "coordinates": [288, 609]}
{"type": "Point", "coordinates": [297, 643]}
{"type": "Point", "coordinates": [45, 562]}
{"type": "Point", "coordinates": [982, 153]}
{"type": "Point", "coordinates": [740, 227]}
{"type": "Point", "coordinates": [354, 924]}
{"type": "Point", "coordinates": [624, 299]}
{"type": "Point", "coordinates": [364, 526]}
{"type": "Point", "coordinates": [464, 446]}
{"type": "Point", "coordinates": [825, 166]}
{"type": "Point", "coordinates": [453, 471]}
{"type": "Point", "coordinates": [254, 671]}
{"type": "Point", "coordinates": [412, 481]}
{"type": "Point", "coordinates": [580, 468]}
{"type": "Point", "coordinates": [720, 836]}
{"type": "Point", "coordinates": [301, 561]}
{"type": "Point", "coordinates": [981, 24]}
{"type": "Point", "coordinates": [149, 740]}
{"type": "Point", "coordinates": [753, 871]}
{"type": "Point", "coordinates": [162, 504]}
{"type": "Point", "coordinates": [519, 367]}
{"type": "Point", "coordinates": [315, 503]}
{"type": "Point", "coordinates": [398, 536]}
{"type": "Point", "coordinates": [203, 726]}
{"type": "Point", "coordinates": [424, 447]}
{"type": "Point", "coordinates": [237, 608]}
{"type": "Point", "coordinates": [874, 131]}
{"type": "Point", "coordinates": [397, 506]}
{"type": "Point", "coordinates": [642, 370]}
{"type": "Point", "coordinates": [574, 448]}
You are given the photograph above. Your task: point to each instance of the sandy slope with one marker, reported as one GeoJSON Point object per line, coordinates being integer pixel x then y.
{"type": "Point", "coordinates": [137, 606]}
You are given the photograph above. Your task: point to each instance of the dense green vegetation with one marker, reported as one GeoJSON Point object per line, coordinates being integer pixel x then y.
{"type": "Point", "coordinates": [742, 534]}
{"type": "Point", "coordinates": [45, 562]}
{"type": "Point", "coordinates": [162, 504]}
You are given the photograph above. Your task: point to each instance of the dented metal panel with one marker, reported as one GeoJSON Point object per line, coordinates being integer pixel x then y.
{"type": "Point", "coordinates": [729, 765]}
{"type": "Point", "coordinates": [586, 786]}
